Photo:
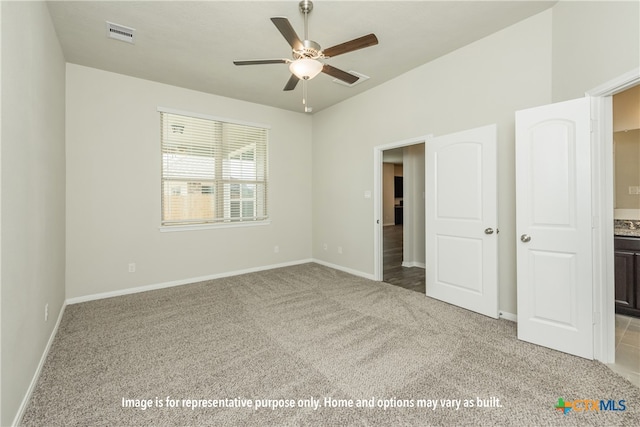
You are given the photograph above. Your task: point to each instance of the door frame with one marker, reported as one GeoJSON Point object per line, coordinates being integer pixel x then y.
{"type": "Point", "coordinates": [602, 212]}
{"type": "Point", "coordinates": [377, 198]}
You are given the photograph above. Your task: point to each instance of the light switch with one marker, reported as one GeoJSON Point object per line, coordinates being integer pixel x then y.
{"type": "Point", "coordinates": [367, 194]}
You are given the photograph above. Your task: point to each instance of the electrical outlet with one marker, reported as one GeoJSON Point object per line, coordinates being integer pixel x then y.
{"type": "Point", "coordinates": [339, 249]}
{"type": "Point", "coordinates": [46, 312]}
{"type": "Point", "coordinates": [325, 246]}
{"type": "Point", "coordinates": [132, 267]}
{"type": "Point", "coordinates": [276, 249]}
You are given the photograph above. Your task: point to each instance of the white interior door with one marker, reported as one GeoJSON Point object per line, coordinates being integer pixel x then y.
{"type": "Point", "coordinates": [553, 209]}
{"type": "Point", "coordinates": [461, 218]}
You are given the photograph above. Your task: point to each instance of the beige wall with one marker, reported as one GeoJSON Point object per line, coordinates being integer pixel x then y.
{"type": "Point", "coordinates": [626, 110]}
{"type": "Point", "coordinates": [593, 42]}
{"type": "Point", "coordinates": [482, 83]}
{"type": "Point", "coordinates": [33, 194]}
{"type": "Point", "coordinates": [113, 188]}
{"type": "Point", "coordinates": [388, 188]}
{"type": "Point", "coordinates": [627, 168]}
{"type": "Point", "coordinates": [626, 143]}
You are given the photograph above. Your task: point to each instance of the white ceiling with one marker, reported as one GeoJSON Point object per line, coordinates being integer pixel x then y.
{"type": "Point", "coordinates": [193, 44]}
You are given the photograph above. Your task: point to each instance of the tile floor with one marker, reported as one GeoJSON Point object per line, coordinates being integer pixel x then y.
{"type": "Point", "coordinates": [627, 348]}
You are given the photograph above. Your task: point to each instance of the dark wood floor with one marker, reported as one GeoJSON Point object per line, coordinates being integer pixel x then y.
{"type": "Point", "coordinates": [393, 272]}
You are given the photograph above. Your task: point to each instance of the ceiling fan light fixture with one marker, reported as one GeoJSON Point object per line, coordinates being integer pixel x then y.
{"type": "Point", "coordinates": [305, 68]}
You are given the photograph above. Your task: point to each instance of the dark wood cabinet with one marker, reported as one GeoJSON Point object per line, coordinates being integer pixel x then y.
{"type": "Point", "coordinates": [397, 187]}
{"type": "Point", "coordinates": [399, 215]}
{"type": "Point", "coordinates": [627, 271]}
{"type": "Point", "coordinates": [625, 278]}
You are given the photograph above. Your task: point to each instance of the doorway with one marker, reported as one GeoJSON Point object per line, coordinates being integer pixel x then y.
{"type": "Point", "coordinates": [603, 212]}
{"type": "Point", "coordinates": [403, 241]}
{"type": "Point", "coordinates": [394, 151]}
{"type": "Point", "coordinates": [626, 196]}
{"type": "Point", "coordinates": [460, 210]}
{"type": "Point", "coordinates": [597, 313]}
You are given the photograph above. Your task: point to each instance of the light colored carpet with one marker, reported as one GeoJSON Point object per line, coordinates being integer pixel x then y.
{"type": "Point", "coordinates": [301, 332]}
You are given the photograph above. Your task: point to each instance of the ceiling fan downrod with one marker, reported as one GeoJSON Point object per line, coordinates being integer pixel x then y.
{"type": "Point", "coordinates": [310, 49]}
{"type": "Point", "coordinates": [306, 6]}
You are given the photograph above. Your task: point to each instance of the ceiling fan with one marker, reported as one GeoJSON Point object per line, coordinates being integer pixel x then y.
{"type": "Point", "coordinates": [306, 53]}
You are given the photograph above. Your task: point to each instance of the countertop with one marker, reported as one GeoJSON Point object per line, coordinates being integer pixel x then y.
{"type": "Point", "coordinates": [625, 232]}
{"type": "Point", "coordinates": [626, 228]}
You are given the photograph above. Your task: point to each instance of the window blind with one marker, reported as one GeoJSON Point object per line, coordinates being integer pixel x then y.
{"type": "Point", "coordinates": [212, 171]}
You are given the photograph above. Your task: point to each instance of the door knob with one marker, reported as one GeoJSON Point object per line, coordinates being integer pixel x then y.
{"type": "Point", "coordinates": [488, 230]}
{"type": "Point", "coordinates": [525, 238]}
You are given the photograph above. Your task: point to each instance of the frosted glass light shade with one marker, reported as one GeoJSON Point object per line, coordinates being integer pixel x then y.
{"type": "Point", "coordinates": [305, 68]}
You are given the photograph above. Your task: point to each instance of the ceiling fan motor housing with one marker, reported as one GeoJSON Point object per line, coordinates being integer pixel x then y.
{"type": "Point", "coordinates": [310, 49]}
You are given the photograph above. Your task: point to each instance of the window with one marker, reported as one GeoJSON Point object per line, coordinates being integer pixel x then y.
{"type": "Point", "coordinates": [213, 172]}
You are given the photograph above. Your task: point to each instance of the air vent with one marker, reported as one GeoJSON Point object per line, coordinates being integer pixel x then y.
{"type": "Point", "coordinates": [361, 79]}
{"type": "Point", "coordinates": [120, 32]}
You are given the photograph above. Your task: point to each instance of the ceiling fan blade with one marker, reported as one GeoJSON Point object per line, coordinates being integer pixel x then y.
{"type": "Point", "coordinates": [291, 84]}
{"type": "Point", "coordinates": [339, 74]}
{"type": "Point", "coordinates": [284, 26]}
{"type": "Point", "coordinates": [261, 61]}
{"type": "Point", "coordinates": [350, 46]}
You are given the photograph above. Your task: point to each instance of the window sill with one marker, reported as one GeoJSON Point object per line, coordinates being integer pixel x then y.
{"type": "Point", "coordinates": [194, 227]}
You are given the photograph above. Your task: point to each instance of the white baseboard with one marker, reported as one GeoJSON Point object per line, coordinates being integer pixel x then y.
{"type": "Point", "coordinates": [180, 282]}
{"type": "Point", "coordinates": [413, 264]}
{"type": "Point", "coordinates": [25, 401]}
{"type": "Point", "coordinates": [345, 269]}
{"type": "Point", "coordinates": [508, 316]}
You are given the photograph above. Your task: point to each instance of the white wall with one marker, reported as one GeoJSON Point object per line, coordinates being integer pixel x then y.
{"type": "Point", "coordinates": [593, 42]}
{"type": "Point", "coordinates": [414, 237]}
{"type": "Point", "coordinates": [113, 188]}
{"type": "Point", "coordinates": [33, 194]}
{"type": "Point", "coordinates": [482, 83]}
